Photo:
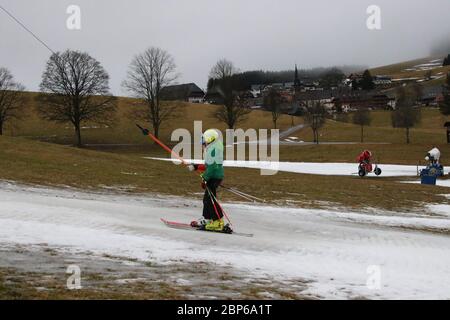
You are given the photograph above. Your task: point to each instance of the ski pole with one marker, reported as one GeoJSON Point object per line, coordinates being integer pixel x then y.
{"type": "Point", "coordinates": [247, 195]}
{"type": "Point", "coordinates": [214, 200]}
{"type": "Point", "coordinates": [243, 194]}
{"type": "Point", "coordinates": [238, 194]}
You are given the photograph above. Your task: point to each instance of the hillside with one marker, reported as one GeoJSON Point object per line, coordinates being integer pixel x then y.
{"type": "Point", "coordinates": [124, 131]}
{"type": "Point", "coordinates": [415, 69]}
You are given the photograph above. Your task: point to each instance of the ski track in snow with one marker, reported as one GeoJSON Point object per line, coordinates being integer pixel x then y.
{"type": "Point", "coordinates": [331, 248]}
{"type": "Point", "coordinates": [328, 168]}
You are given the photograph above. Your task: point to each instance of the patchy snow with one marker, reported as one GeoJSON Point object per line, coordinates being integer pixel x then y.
{"type": "Point", "coordinates": [440, 209]}
{"type": "Point", "coordinates": [327, 168]}
{"type": "Point", "coordinates": [406, 79]}
{"type": "Point", "coordinates": [332, 248]}
{"type": "Point", "coordinates": [439, 182]}
{"type": "Point", "coordinates": [430, 64]}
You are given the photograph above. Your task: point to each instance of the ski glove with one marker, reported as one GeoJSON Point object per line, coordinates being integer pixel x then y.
{"type": "Point", "coordinates": [192, 167]}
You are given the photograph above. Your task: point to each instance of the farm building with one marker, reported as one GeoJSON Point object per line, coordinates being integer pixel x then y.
{"type": "Point", "coordinates": [188, 92]}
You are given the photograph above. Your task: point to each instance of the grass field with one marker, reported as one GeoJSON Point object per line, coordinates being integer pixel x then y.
{"type": "Point", "coordinates": [430, 131]}
{"type": "Point", "coordinates": [124, 131]}
{"type": "Point", "coordinates": [33, 162]}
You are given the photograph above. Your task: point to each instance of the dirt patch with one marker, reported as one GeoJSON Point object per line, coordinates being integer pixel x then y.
{"type": "Point", "coordinates": [40, 272]}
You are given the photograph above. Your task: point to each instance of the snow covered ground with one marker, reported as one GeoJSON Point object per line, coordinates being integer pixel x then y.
{"type": "Point", "coordinates": [329, 168]}
{"type": "Point", "coordinates": [337, 250]}
{"type": "Point", "coordinates": [439, 182]}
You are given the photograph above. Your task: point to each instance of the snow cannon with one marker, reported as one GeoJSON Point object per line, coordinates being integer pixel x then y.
{"type": "Point", "coordinates": [428, 176]}
{"type": "Point", "coordinates": [365, 164]}
{"type": "Point", "coordinates": [434, 169]}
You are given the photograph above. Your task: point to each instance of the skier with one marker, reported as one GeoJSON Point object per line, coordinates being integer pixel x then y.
{"type": "Point", "coordinates": [433, 156]}
{"type": "Point", "coordinates": [212, 177]}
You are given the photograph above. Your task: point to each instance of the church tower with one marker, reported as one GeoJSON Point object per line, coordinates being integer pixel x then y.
{"type": "Point", "coordinates": [297, 83]}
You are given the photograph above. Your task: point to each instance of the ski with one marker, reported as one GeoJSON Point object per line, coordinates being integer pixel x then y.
{"type": "Point", "coordinates": [187, 226]}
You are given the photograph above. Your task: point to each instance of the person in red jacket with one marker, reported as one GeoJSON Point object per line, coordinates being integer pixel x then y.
{"type": "Point", "coordinates": [365, 163]}
{"type": "Point", "coordinates": [365, 157]}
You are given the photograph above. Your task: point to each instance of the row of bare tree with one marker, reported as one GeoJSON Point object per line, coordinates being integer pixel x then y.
{"type": "Point", "coordinates": [75, 89]}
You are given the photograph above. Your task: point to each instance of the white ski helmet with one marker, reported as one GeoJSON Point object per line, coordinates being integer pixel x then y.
{"type": "Point", "coordinates": [210, 135]}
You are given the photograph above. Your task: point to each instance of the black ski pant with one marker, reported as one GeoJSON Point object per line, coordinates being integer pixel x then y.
{"type": "Point", "coordinates": [208, 202]}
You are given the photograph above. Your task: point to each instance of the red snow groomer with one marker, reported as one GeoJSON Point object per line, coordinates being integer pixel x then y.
{"type": "Point", "coordinates": [365, 164]}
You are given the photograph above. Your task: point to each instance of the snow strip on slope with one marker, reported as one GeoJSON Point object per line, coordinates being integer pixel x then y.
{"type": "Point", "coordinates": [335, 169]}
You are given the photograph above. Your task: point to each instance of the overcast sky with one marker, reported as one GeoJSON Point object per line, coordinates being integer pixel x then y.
{"type": "Point", "coordinates": [254, 34]}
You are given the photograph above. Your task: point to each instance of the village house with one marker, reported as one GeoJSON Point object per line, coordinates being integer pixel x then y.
{"type": "Point", "coordinates": [352, 77]}
{"type": "Point", "coordinates": [432, 95]}
{"type": "Point", "coordinates": [362, 99]}
{"type": "Point", "coordinates": [325, 97]}
{"type": "Point", "coordinates": [214, 96]}
{"type": "Point", "coordinates": [382, 81]}
{"type": "Point", "coordinates": [188, 92]}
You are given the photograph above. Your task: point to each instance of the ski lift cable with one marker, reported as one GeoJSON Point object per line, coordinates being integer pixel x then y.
{"type": "Point", "coordinates": [26, 29]}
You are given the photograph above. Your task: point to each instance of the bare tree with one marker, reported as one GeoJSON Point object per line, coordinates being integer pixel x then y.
{"type": "Point", "coordinates": [234, 109]}
{"type": "Point", "coordinates": [315, 117]}
{"type": "Point", "coordinates": [362, 118]}
{"type": "Point", "coordinates": [273, 101]}
{"type": "Point", "coordinates": [406, 114]}
{"type": "Point", "coordinates": [75, 90]}
{"type": "Point", "coordinates": [149, 73]}
{"type": "Point", "coordinates": [444, 106]}
{"type": "Point", "coordinates": [222, 69]}
{"type": "Point", "coordinates": [11, 98]}
{"type": "Point", "coordinates": [415, 91]}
